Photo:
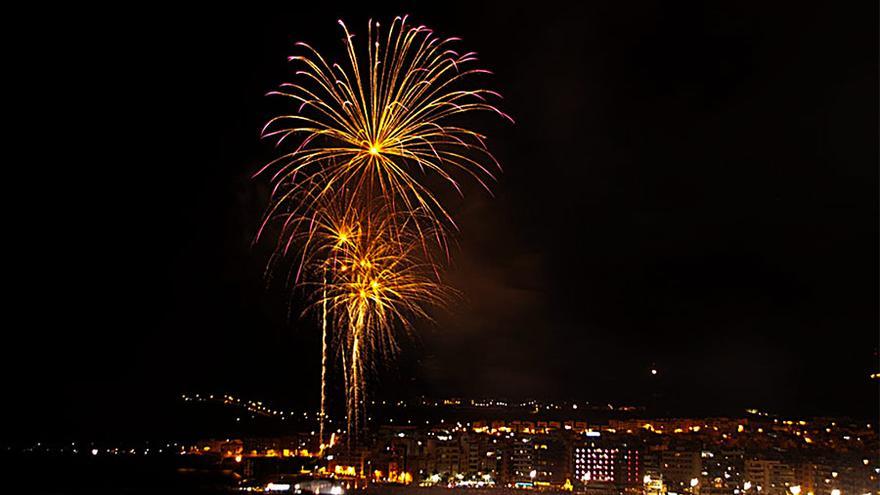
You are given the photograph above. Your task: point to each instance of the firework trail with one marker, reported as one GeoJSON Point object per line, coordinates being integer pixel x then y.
{"type": "Point", "coordinates": [379, 286]}
{"type": "Point", "coordinates": [375, 281]}
{"type": "Point", "coordinates": [323, 408]}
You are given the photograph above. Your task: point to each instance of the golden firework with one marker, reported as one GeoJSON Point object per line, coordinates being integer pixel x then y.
{"type": "Point", "coordinates": [355, 196]}
{"type": "Point", "coordinates": [380, 125]}
{"type": "Point", "coordinates": [375, 281]}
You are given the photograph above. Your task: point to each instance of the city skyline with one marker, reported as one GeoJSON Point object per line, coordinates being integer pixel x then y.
{"type": "Point", "coordinates": [495, 446]}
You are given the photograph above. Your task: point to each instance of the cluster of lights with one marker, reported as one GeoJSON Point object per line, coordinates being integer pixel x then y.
{"type": "Point", "coordinates": [600, 466]}
{"type": "Point", "coordinates": [828, 434]}
{"type": "Point", "coordinates": [253, 407]}
{"type": "Point", "coordinates": [91, 449]}
{"type": "Point", "coordinates": [594, 464]}
{"type": "Point", "coordinates": [489, 403]}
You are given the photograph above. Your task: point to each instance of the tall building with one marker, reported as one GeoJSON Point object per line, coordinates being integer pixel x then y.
{"type": "Point", "coordinates": [551, 460]}
{"type": "Point", "coordinates": [592, 463]}
{"type": "Point", "coordinates": [479, 456]}
{"type": "Point", "coordinates": [629, 472]}
{"type": "Point", "coordinates": [770, 476]}
{"type": "Point", "coordinates": [596, 461]}
{"type": "Point", "coordinates": [521, 460]}
{"type": "Point", "coordinates": [678, 466]}
{"type": "Point", "coordinates": [446, 457]}
{"type": "Point", "coordinates": [722, 471]}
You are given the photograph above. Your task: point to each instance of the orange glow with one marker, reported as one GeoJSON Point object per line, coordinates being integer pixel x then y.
{"type": "Point", "coordinates": [371, 286]}
{"type": "Point", "coordinates": [345, 470]}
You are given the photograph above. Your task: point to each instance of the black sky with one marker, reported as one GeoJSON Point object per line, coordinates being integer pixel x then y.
{"type": "Point", "coordinates": [688, 187]}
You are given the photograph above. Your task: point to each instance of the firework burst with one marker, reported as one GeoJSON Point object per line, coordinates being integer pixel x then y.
{"type": "Point", "coordinates": [375, 281]}
{"type": "Point", "coordinates": [380, 124]}
{"type": "Point", "coordinates": [379, 286]}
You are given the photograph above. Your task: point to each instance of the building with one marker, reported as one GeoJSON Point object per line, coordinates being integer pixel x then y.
{"type": "Point", "coordinates": [551, 461]}
{"type": "Point", "coordinates": [679, 466]}
{"type": "Point", "coordinates": [598, 461]}
{"type": "Point", "coordinates": [769, 476]}
{"type": "Point", "coordinates": [446, 456]}
{"type": "Point", "coordinates": [520, 461]}
{"type": "Point", "coordinates": [722, 471]}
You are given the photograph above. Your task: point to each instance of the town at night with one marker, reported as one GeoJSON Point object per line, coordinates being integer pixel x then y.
{"type": "Point", "coordinates": [432, 446]}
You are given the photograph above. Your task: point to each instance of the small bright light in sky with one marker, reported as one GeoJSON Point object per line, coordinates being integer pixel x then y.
{"type": "Point", "coordinates": [653, 371]}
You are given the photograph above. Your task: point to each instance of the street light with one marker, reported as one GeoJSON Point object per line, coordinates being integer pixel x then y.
{"type": "Point", "coordinates": [795, 489]}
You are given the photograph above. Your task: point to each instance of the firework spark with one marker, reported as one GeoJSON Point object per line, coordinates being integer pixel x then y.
{"type": "Point", "coordinates": [374, 125]}
{"type": "Point", "coordinates": [375, 282]}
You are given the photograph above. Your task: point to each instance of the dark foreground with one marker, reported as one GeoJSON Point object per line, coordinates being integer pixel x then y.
{"type": "Point", "coordinates": [122, 475]}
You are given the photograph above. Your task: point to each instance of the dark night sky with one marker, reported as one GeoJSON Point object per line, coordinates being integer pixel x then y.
{"type": "Point", "coordinates": [689, 187]}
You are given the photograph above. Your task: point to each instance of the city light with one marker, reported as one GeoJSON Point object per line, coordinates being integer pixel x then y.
{"type": "Point", "coordinates": [277, 487]}
{"type": "Point", "coordinates": [645, 454]}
